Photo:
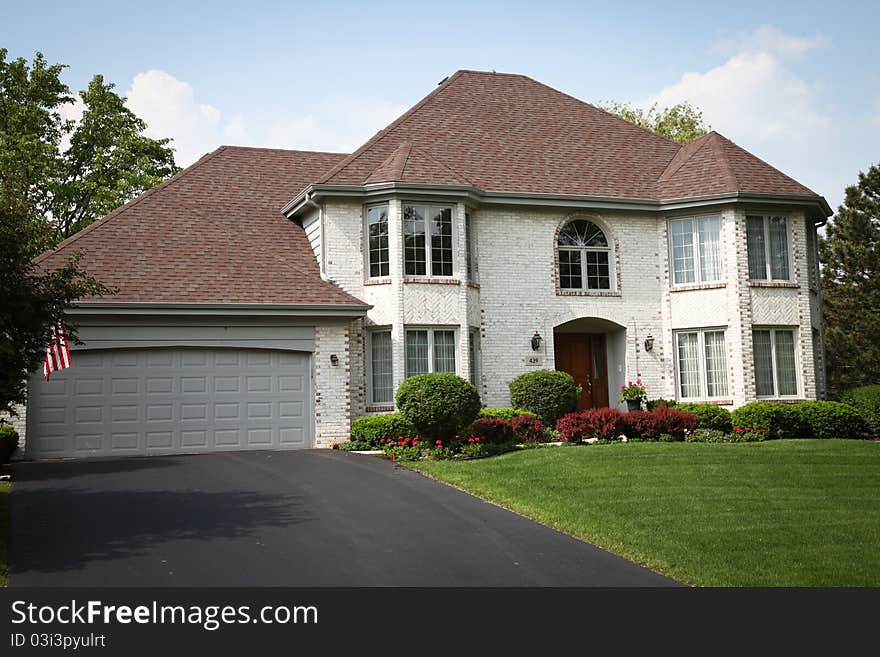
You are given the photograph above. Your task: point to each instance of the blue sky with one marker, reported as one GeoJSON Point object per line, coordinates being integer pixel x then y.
{"type": "Point", "coordinates": [797, 83]}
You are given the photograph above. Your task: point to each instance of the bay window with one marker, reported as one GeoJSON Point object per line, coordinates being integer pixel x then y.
{"type": "Point", "coordinates": [377, 241]}
{"type": "Point", "coordinates": [775, 362]}
{"type": "Point", "coordinates": [701, 363]}
{"type": "Point", "coordinates": [767, 238]}
{"type": "Point", "coordinates": [427, 240]}
{"type": "Point", "coordinates": [696, 250]}
{"type": "Point", "coordinates": [430, 350]}
{"type": "Point", "coordinates": [381, 378]}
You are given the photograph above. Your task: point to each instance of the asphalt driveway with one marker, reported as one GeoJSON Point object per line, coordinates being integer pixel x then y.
{"type": "Point", "coordinates": [302, 518]}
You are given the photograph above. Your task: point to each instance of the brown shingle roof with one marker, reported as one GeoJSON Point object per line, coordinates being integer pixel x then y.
{"type": "Point", "coordinates": [211, 234]}
{"type": "Point", "coordinates": [509, 133]}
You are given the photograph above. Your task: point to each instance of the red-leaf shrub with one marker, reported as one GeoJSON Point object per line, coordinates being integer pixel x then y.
{"type": "Point", "coordinates": [662, 419]}
{"type": "Point", "coordinates": [494, 430]}
{"type": "Point", "coordinates": [603, 423]}
{"type": "Point", "coordinates": [527, 429]}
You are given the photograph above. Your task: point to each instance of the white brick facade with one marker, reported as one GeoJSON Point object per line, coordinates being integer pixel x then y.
{"type": "Point", "coordinates": [518, 294]}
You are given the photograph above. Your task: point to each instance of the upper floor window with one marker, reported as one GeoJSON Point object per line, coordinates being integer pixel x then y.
{"type": "Point", "coordinates": [427, 240]}
{"type": "Point", "coordinates": [696, 250]}
{"type": "Point", "coordinates": [584, 257]}
{"type": "Point", "coordinates": [377, 237]}
{"type": "Point", "coordinates": [767, 238]}
{"type": "Point", "coordinates": [381, 381]}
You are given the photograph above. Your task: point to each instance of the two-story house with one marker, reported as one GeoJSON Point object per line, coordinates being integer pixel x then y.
{"type": "Point", "coordinates": [266, 298]}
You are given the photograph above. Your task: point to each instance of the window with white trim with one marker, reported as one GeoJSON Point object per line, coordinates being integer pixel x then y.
{"type": "Point", "coordinates": [701, 361]}
{"type": "Point", "coordinates": [427, 240]}
{"type": "Point", "coordinates": [695, 245]}
{"type": "Point", "coordinates": [377, 241]}
{"type": "Point", "coordinates": [767, 238]}
{"type": "Point", "coordinates": [584, 257]}
{"type": "Point", "coordinates": [430, 350]}
{"type": "Point", "coordinates": [381, 374]}
{"type": "Point", "coordinates": [775, 362]}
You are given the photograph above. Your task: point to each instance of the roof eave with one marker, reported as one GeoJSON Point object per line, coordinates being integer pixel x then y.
{"type": "Point", "coordinates": [218, 309]}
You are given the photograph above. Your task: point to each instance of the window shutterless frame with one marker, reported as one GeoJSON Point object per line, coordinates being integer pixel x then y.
{"type": "Point", "coordinates": [387, 367]}
{"type": "Point", "coordinates": [764, 264]}
{"type": "Point", "coordinates": [427, 250]}
{"type": "Point", "coordinates": [411, 341]}
{"type": "Point", "coordinates": [702, 394]}
{"type": "Point", "coordinates": [705, 260]}
{"type": "Point", "coordinates": [381, 255]}
{"type": "Point", "coordinates": [778, 351]}
{"type": "Point", "coordinates": [585, 256]}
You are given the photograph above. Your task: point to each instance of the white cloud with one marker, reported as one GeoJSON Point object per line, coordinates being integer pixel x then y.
{"type": "Point", "coordinates": [170, 108]}
{"type": "Point", "coordinates": [771, 40]}
{"type": "Point", "coordinates": [71, 111]}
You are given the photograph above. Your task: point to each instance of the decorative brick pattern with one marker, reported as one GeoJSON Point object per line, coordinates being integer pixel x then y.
{"type": "Point", "coordinates": [333, 391]}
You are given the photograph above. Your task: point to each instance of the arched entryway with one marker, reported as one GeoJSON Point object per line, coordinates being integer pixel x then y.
{"type": "Point", "coordinates": [592, 350]}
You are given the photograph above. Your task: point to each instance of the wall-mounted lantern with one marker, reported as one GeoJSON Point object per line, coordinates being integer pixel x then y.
{"type": "Point", "coordinates": [649, 342]}
{"type": "Point", "coordinates": [334, 360]}
{"type": "Point", "coordinates": [536, 341]}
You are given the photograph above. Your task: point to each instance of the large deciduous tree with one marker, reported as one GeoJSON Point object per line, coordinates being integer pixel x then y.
{"type": "Point", "coordinates": [682, 122]}
{"type": "Point", "coordinates": [850, 257]}
{"type": "Point", "coordinates": [73, 172]}
{"type": "Point", "coordinates": [32, 299]}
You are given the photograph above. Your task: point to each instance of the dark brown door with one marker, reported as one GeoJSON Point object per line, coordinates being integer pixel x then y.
{"type": "Point", "coordinates": [583, 356]}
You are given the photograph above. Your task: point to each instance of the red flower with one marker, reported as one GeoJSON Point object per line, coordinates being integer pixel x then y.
{"type": "Point", "coordinates": [762, 431]}
{"type": "Point", "coordinates": [623, 387]}
{"type": "Point", "coordinates": [737, 429]}
{"type": "Point", "coordinates": [470, 440]}
{"type": "Point", "coordinates": [438, 442]}
{"type": "Point", "coordinates": [391, 456]}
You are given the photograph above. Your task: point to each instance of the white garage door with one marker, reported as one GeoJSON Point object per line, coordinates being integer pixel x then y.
{"type": "Point", "coordinates": [171, 401]}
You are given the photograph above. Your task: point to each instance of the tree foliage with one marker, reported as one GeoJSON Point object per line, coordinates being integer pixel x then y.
{"type": "Point", "coordinates": [682, 122]}
{"type": "Point", "coordinates": [108, 160]}
{"type": "Point", "coordinates": [850, 257]}
{"type": "Point", "coordinates": [32, 299]}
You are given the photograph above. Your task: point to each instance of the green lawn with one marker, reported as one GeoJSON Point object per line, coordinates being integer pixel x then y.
{"type": "Point", "coordinates": [5, 489]}
{"type": "Point", "coordinates": [778, 513]}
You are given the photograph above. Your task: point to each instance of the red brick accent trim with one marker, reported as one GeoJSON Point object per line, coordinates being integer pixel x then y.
{"type": "Point", "coordinates": [377, 281]}
{"type": "Point", "coordinates": [379, 409]}
{"type": "Point", "coordinates": [475, 286]}
{"type": "Point", "coordinates": [698, 286]}
{"type": "Point", "coordinates": [789, 284]}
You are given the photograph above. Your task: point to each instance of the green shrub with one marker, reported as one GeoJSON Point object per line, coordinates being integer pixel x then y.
{"type": "Point", "coordinates": [8, 442]}
{"type": "Point", "coordinates": [651, 404]}
{"type": "Point", "coordinates": [438, 405]}
{"type": "Point", "coordinates": [503, 413]}
{"type": "Point", "coordinates": [866, 400]}
{"type": "Point", "coordinates": [779, 420]}
{"type": "Point", "coordinates": [368, 431]}
{"type": "Point", "coordinates": [549, 394]}
{"type": "Point", "coordinates": [828, 419]}
{"type": "Point", "coordinates": [711, 416]}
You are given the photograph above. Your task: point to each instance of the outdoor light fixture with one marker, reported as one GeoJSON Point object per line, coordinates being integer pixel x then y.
{"type": "Point", "coordinates": [334, 359]}
{"type": "Point", "coordinates": [536, 341]}
{"type": "Point", "coordinates": [649, 342]}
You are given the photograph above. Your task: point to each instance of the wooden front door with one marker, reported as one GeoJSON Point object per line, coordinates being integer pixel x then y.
{"type": "Point", "coordinates": [583, 356]}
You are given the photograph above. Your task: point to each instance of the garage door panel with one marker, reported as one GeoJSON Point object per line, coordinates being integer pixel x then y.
{"type": "Point", "coordinates": [157, 401]}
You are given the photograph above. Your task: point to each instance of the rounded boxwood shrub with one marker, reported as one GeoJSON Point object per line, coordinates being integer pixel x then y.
{"type": "Point", "coordinates": [438, 405]}
{"type": "Point", "coordinates": [778, 419]}
{"type": "Point", "coordinates": [711, 416]}
{"type": "Point", "coordinates": [8, 442]}
{"type": "Point", "coordinates": [371, 429]}
{"type": "Point", "coordinates": [549, 394]}
{"type": "Point", "coordinates": [504, 413]}
{"type": "Point", "coordinates": [828, 419]}
{"type": "Point", "coordinates": [866, 400]}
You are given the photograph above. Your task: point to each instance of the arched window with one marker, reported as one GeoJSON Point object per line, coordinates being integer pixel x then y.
{"type": "Point", "coordinates": [584, 257]}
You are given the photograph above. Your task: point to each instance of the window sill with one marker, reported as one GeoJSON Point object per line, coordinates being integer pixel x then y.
{"type": "Point", "coordinates": [380, 408]}
{"type": "Point", "coordinates": [788, 284]}
{"type": "Point", "coordinates": [473, 286]}
{"type": "Point", "coordinates": [587, 293]}
{"type": "Point", "coordinates": [432, 281]}
{"type": "Point", "coordinates": [715, 402]}
{"type": "Point", "coordinates": [782, 400]}
{"type": "Point", "coordinates": [697, 286]}
{"type": "Point", "coordinates": [377, 281]}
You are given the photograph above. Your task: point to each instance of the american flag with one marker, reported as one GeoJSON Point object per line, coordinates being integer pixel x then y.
{"type": "Point", "coordinates": [58, 351]}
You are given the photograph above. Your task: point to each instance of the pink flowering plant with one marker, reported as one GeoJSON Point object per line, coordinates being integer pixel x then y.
{"type": "Point", "coordinates": [632, 391]}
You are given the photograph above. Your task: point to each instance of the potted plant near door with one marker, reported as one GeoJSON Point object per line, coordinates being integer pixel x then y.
{"type": "Point", "coordinates": [633, 394]}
